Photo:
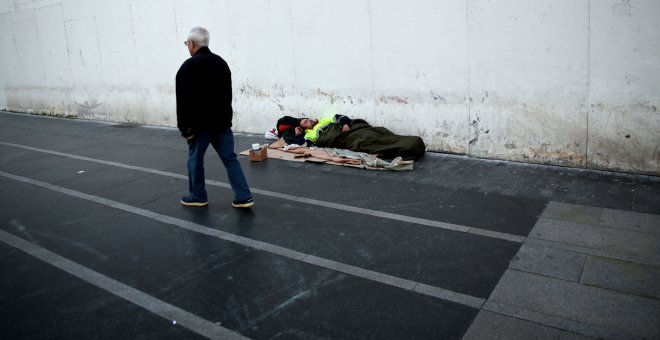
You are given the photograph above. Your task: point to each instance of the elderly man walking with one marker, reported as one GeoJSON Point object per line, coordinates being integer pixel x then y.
{"type": "Point", "coordinates": [204, 116]}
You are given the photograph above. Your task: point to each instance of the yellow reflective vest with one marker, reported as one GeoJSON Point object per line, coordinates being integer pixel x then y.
{"type": "Point", "coordinates": [313, 133]}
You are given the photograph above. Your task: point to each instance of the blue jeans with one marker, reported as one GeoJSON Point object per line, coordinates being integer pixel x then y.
{"type": "Point", "coordinates": [223, 143]}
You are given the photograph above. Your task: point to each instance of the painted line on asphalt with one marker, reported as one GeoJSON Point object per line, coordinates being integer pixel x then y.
{"type": "Point", "coordinates": [311, 201]}
{"type": "Point", "coordinates": [161, 308]}
{"type": "Point", "coordinates": [371, 275]}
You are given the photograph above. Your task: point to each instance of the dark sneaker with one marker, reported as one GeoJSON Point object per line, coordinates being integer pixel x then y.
{"type": "Point", "coordinates": [243, 204]}
{"type": "Point", "coordinates": [190, 202]}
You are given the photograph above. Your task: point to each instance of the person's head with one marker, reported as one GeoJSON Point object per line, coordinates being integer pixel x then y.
{"type": "Point", "coordinates": [308, 123]}
{"type": "Point", "coordinates": [198, 38]}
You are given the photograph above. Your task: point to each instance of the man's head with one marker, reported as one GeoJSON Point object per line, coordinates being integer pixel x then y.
{"type": "Point", "coordinates": [308, 123]}
{"type": "Point", "coordinates": [198, 38]}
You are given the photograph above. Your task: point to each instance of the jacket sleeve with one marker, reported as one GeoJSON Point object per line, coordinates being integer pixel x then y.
{"type": "Point", "coordinates": [341, 120]}
{"type": "Point", "coordinates": [183, 101]}
{"type": "Point", "coordinates": [290, 137]}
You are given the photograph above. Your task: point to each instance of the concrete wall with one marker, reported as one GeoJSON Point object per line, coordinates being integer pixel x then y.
{"type": "Point", "coordinates": [564, 82]}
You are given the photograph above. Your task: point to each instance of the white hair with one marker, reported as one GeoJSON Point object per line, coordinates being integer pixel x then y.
{"type": "Point", "coordinates": [199, 35]}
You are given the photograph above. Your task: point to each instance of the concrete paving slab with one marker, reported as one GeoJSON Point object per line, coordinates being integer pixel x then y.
{"type": "Point", "coordinates": [564, 335]}
{"type": "Point", "coordinates": [651, 261]}
{"type": "Point", "coordinates": [606, 239]}
{"type": "Point", "coordinates": [552, 262]}
{"type": "Point", "coordinates": [573, 213]}
{"type": "Point", "coordinates": [489, 325]}
{"type": "Point", "coordinates": [555, 321]}
{"type": "Point", "coordinates": [622, 276]}
{"type": "Point", "coordinates": [606, 310]}
{"type": "Point", "coordinates": [645, 223]}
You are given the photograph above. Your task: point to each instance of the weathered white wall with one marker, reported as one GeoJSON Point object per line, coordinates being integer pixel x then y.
{"type": "Point", "coordinates": [624, 91]}
{"type": "Point", "coordinates": [566, 82]}
{"type": "Point", "coordinates": [529, 80]}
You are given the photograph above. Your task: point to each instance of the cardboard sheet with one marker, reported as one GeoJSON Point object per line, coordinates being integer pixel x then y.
{"type": "Point", "coordinates": [289, 156]}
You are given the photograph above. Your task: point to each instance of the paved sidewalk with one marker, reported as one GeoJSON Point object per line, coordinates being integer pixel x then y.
{"type": "Point", "coordinates": [588, 270]}
{"type": "Point", "coordinates": [93, 243]}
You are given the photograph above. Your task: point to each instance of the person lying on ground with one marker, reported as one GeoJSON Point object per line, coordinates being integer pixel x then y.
{"type": "Point", "coordinates": [340, 131]}
{"type": "Point", "coordinates": [288, 128]}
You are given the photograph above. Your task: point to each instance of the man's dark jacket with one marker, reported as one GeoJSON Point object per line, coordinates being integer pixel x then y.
{"type": "Point", "coordinates": [203, 94]}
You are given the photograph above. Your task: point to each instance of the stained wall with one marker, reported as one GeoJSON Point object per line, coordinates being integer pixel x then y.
{"type": "Point", "coordinates": [562, 82]}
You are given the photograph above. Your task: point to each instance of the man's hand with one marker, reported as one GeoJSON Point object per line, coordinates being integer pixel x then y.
{"type": "Point", "coordinates": [187, 133]}
{"type": "Point", "coordinates": [345, 128]}
{"type": "Point", "coordinates": [299, 130]}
